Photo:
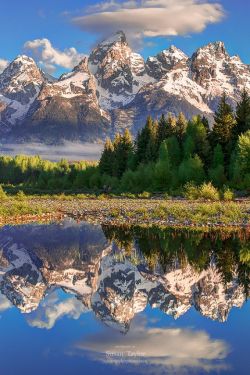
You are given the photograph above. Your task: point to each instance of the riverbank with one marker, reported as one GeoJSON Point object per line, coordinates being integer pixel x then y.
{"type": "Point", "coordinates": [119, 211]}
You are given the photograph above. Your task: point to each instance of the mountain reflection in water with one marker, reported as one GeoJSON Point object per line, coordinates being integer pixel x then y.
{"type": "Point", "coordinates": [117, 274]}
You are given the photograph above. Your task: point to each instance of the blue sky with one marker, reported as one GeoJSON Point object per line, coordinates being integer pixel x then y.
{"type": "Point", "coordinates": [72, 24]}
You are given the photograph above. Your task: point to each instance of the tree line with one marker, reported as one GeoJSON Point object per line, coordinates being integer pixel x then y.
{"type": "Point", "coordinates": [171, 152]}
{"type": "Point", "coordinates": [166, 155]}
{"type": "Point", "coordinates": [231, 253]}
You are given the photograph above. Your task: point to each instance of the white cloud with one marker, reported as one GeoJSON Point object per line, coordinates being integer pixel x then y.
{"type": "Point", "coordinates": [50, 58]}
{"type": "Point", "coordinates": [174, 349]}
{"type": "Point", "coordinates": [52, 309]}
{"type": "Point", "coordinates": [4, 303]}
{"type": "Point", "coordinates": [3, 64]}
{"type": "Point", "coordinates": [150, 18]}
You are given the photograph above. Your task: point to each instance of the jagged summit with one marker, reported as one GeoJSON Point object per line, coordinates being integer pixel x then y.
{"type": "Point", "coordinates": [82, 66]}
{"type": "Point", "coordinates": [21, 64]}
{"type": "Point", "coordinates": [172, 54]}
{"type": "Point", "coordinates": [164, 61]}
{"type": "Point", "coordinates": [118, 37]}
{"type": "Point", "coordinates": [215, 49]}
{"type": "Point", "coordinates": [175, 50]}
{"type": "Point", "coordinates": [24, 59]}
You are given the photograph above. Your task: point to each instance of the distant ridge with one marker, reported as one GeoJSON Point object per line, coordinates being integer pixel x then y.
{"type": "Point", "coordinates": [115, 88]}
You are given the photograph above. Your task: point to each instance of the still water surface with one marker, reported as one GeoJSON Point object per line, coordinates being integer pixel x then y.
{"type": "Point", "coordinates": [77, 298]}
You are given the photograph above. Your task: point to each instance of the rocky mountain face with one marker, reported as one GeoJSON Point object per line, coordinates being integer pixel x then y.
{"type": "Point", "coordinates": [79, 260]}
{"type": "Point", "coordinates": [115, 88]}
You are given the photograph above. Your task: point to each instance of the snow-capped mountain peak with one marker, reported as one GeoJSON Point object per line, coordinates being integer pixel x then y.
{"type": "Point", "coordinates": [21, 69]}
{"type": "Point", "coordinates": [118, 37]}
{"type": "Point", "coordinates": [20, 84]}
{"type": "Point", "coordinates": [117, 88]}
{"type": "Point", "coordinates": [211, 53]}
{"type": "Point", "coordinates": [165, 61]}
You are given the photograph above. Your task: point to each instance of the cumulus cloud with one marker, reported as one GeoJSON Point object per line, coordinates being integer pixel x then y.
{"type": "Point", "coordinates": [150, 18]}
{"type": "Point", "coordinates": [52, 309]}
{"type": "Point", "coordinates": [3, 64]}
{"type": "Point", "coordinates": [159, 348]}
{"type": "Point", "coordinates": [51, 58]}
{"type": "Point", "coordinates": [4, 303]}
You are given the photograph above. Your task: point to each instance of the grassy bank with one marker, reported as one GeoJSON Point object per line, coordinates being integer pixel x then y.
{"type": "Point", "coordinates": [107, 210]}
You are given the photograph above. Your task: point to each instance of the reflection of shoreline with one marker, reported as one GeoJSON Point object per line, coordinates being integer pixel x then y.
{"type": "Point", "coordinates": [117, 280]}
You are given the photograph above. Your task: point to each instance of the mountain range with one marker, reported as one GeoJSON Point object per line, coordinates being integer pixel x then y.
{"type": "Point", "coordinates": [115, 88]}
{"type": "Point", "coordinates": [115, 286]}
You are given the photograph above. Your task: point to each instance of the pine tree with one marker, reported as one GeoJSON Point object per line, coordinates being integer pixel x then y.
{"type": "Point", "coordinates": [205, 122]}
{"type": "Point", "coordinates": [242, 162]}
{"type": "Point", "coordinates": [243, 152]}
{"type": "Point", "coordinates": [162, 129]}
{"type": "Point", "coordinates": [171, 123]}
{"type": "Point", "coordinates": [242, 115]}
{"type": "Point", "coordinates": [123, 148]}
{"type": "Point", "coordinates": [224, 122]}
{"type": "Point", "coordinates": [146, 142]}
{"type": "Point", "coordinates": [196, 140]}
{"type": "Point", "coordinates": [117, 150]}
{"type": "Point", "coordinates": [107, 158]}
{"type": "Point", "coordinates": [181, 125]}
{"type": "Point", "coordinates": [127, 146]}
{"type": "Point", "coordinates": [166, 128]}
{"type": "Point", "coordinates": [152, 146]}
{"type": "Point", "coordinates": [188, 147]}
{"type": "Point", "coordinates": [218, 156]}
{"type": "Point", "coordinates": [174, 150]}
{"type": "Point", "coordinates": [163, 169]}
{"type": "Point", "coordinates": [217, 170]}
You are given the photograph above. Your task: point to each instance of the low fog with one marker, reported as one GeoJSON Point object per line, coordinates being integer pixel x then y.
{"type": "Point", "coordinates": [68, 150]}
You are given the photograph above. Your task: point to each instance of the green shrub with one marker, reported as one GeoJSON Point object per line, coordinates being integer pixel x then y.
{"type": "Point", "coordinates": [228, 194]}
{"type": "Point", "coordinates": [102, 197]}
{"type": "Point", "coordinates": [208, 192]}
{"type": "Point", "coordinates": [20, 196]}
{"type": "Point", "coordinates": [144, 195]}
{"type": "Point", "coordinates": [191, 191]}
{"type": "Point", "coordinates": [3, 195]}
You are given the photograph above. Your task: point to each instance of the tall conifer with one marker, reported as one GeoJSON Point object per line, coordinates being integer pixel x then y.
{"type": "Point", "coordinates": [242, 114]}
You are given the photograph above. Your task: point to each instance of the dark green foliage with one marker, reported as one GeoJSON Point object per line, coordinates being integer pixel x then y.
{"type": "Point", "coordinates": [180, 128]}
{"type": "Point", "coordinates": [224, 122]}
{"type": "Point", "coordinates": [107, 158]}
{"type": "Point", "coordinates": [166, 128]}
{"type": "Point", "coordinates": [163, 169]}
{"type": "Point", "coordinates": [191, 169]}
{"type": "Point", "coordinates": [242, 115]}
{"type": "Point", "coordinates": [122, 152]}
{"type": "Point", "coordinates": [174, 150]}
{"type": "Point", "coordinates": [217, 170]}
{"type": "Point", "coordinates": [146, 142]}
{"type": "Point", "coordinates": [162, 130]}
{"type": "Point", "coordinates": [117, 156]}
{"type": "Point", "coordinates": [205, 122]}
{"type": "Point", "coordinates": [165, 156]}
{"type": "Point", "coordinates": [242, 162]}
{"type": "Point", "coordinates": [198, 133]}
